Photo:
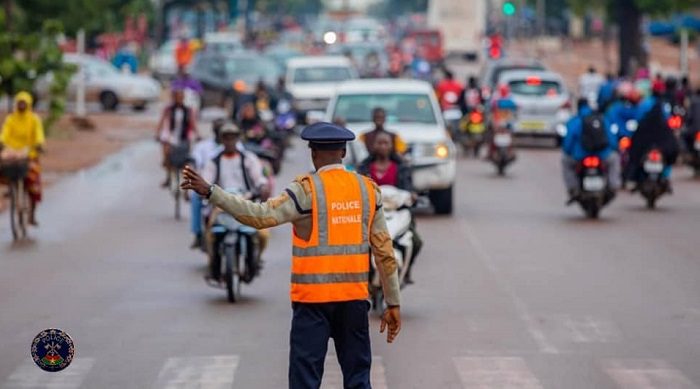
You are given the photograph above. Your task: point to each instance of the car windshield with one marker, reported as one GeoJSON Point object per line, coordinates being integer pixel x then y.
{"type": "Point", "coordinates": [100, 68]}
{"type": "Point", "coordinates": [321, 74]}
{"type": "Point", "coordinates": [400, 108]}
{"type": "Point", "coordinates": [535, 87]}
{"type": "Point", "coordinates": [247, 67]}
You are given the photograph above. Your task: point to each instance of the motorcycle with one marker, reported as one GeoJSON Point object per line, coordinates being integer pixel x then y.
{"type": "Point", "coordinates": [692, 154]}
{"type": "Point", "coordinates": [263, 144]}
{"type": "Point", "coordinates": [472, 131]}
{"type": "Point", "coordinates": [285, 123]}
{"type": "Point", "coordinates": [501, 151]}
{"type": "Point", "coordinates": [396, 204]}
{"type": "Point", "coordinates": [236, 250]}
{"type": "Point", "coordinates": [653, 184]}
{"type": "Point", "coordinates": [593, 186]}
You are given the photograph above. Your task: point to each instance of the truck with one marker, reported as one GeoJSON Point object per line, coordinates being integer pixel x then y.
{"type": "Point", "coordinates": [462, 24]}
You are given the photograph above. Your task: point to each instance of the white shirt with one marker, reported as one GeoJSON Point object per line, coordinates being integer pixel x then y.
{"type": "Point", "coordinates": [205, 151]}
{"type": "Point", "coordinates": [231, 175]}
{"type": "Point", "coordinates": [589, 84]}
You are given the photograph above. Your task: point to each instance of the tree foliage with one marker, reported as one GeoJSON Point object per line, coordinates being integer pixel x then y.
{"type": "Point", "coordinates": [95, 16]}
{"type": "Point", "coordinates": [27, 57]}
{"type": "Point", "coordinates": [288, 7]}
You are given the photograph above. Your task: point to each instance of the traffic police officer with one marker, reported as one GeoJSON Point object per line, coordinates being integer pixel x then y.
{"type": "Point", "coordinates": [337, 218]}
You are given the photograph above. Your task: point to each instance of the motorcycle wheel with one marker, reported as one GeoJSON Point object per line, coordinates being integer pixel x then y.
{"type": "Point", "coordinates": [651, 202]}
{"type": "Point", "coordinates": [233, 278]}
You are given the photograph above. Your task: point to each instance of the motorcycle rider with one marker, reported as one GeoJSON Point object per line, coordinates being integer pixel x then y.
{"type": "Point", "coordinates": [693, 126]}
{"type": "Point", "coordinates": [379, 119]}
{"type": "Point", "coordinates": [471, 98]}
{"type": "Point", "coordinates": [652, 132]}
{"type": "Point", "coordinates": [191, 88]}
{"type": "Point", "coordinates": [202, 152]}
{"type": "Point", "coordinates": [623, 108]}
{"type": "Point", "coordinates": [177, 125]}
{"type": "Point", "coordinates": [385, 167]}
{"type": "Point", "coordinates": [448, 91]}
{"type": "Point", "coordinates": [233, 169]}
{"type": "Point", "coordinates": [574, 152]}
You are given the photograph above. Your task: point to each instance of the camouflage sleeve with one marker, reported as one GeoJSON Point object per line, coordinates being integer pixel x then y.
{"type": "Point", "coordinates": [285, 208]}
{"type": "Point", "coordinates": [383, 251]}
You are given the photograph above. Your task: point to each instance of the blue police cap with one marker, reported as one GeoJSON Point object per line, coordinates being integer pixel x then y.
{"type": "Point", "coordinates": [326, 136]}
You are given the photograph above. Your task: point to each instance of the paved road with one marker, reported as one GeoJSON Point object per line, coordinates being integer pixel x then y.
{"type": "Point", "coordinates": [513, 291]}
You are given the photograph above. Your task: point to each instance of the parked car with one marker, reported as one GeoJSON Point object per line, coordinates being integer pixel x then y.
{"type": "Point", "coordinates": [543, 102]}
{"type": "Point", "coordinates": [312, 80]}
{"type": "Point", "coordinates": [220, 73]}
{"type": "Point", "coordinates": [105, 84]}
{"type": "Point", "coordinates": [412, 112]}
{"type": "Point", "coordinates": [370, 58]}
{"type": "Point", "coordinates": [493, 70]}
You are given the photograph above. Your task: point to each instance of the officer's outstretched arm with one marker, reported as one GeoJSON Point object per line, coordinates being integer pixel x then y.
{"type": "Point", "coordinates": [383, 251]}
{"type": "Point", "coordinates": [273, 212]}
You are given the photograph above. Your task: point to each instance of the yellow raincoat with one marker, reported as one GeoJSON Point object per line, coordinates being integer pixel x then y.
{"type": "Point", "coordinates": [23, 130]}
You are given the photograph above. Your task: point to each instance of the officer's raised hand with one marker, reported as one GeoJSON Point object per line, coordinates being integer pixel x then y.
{"type": "Point", "coordinates": [192, 180]}
{"type": "Point", "coordinates": [391, 319]}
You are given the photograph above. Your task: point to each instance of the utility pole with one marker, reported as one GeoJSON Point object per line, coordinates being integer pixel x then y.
{"type": "Point", "coordinates": [541, 17]}
{"type": "Point", "coordinates": [8, 15]}
{"type": "Point", "coordinates": [80, 110]}
{"type": "Point", "coordinates": [684, 51]}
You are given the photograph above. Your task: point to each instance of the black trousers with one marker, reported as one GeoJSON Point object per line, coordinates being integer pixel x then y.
{"type": "Point", "coordinates": [312, 325]}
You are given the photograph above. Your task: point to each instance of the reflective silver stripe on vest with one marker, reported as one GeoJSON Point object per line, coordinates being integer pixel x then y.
{"type": "Point", "coordinates": [329, 278]}
{"type": "Point", "coordinates": [321, 210]}
{"type": "Point", "coordinates": [343, 249]}
{"type": "Point", "coordinates": [365, 207]}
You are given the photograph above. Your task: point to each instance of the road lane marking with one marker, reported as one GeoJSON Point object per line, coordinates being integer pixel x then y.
{"type": "Point", "coordinates": [533, 328]}
{"type": "Point", "coordinates": [333, 376]}
{"type": "Point", "coordinates": [495, 373]}
{"type": "Point", "coordinates": [646, 374]}
{"type": "Point", "coordinates": [584, 329]}
{"type": "Point", "coordinates": [212, 372]}
{"type": "Point", "coordinates": [28, 375]}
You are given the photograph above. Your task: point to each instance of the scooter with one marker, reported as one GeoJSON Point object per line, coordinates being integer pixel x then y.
{"type": "Point", "coordinates": [396, 204]}
{"type": "Point", "coordinates": [472, 131]}
{"type": "Point", "coordinates": [236, 250]}
{"type": "Point", "coordinates": [653, 184]}
{"type": "Point", "coordinates": [501, 152]}
{"type": "Point", "coordinates": [594, 192]}
{"type": "Point", "coordinates": [692, 154]}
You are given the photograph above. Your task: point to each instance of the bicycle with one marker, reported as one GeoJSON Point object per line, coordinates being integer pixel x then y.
{"type": "Point", "coordinates": [178, 157]}
{"type": "Point", "coordinates": [15, 171]}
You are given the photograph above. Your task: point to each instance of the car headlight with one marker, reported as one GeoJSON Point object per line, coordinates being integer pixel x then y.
{"type": "Point", "coordinates": [442, 151]}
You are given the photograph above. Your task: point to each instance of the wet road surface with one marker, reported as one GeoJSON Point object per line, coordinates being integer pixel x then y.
{"type": "Point", "coordinates": [513, 291]}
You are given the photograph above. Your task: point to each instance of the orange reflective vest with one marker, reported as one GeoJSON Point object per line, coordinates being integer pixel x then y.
{"type": "Point", "coordinates": [333, 265]}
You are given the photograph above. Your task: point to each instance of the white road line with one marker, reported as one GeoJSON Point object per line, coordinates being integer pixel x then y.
{"type": "Point", "coordinates": [580, 329]}
{"type": "Point", "coordinates": [543, 343]}
{"type": "Point", "coordinates": [646, 374]}
{"type": "Point", "coordinates": [333, 377]}
{"type": "Point", "coordinates": [495, 373]}
{"type": "Point", "coordinates": [29, 375]}
{"type": "Point", "coordinates": [212, 372]}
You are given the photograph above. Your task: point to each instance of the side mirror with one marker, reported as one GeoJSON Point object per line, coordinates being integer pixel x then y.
{"type": "Point", "coordinates": [314, 117]}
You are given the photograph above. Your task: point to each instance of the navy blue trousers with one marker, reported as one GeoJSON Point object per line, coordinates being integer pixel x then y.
{"type": "Point", "coordinates": [312, 325]}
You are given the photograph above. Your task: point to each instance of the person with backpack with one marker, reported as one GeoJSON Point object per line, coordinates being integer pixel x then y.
{"type": "Point", "coordinates": [233, 168]}
{"type": "Point", "coordinates": [653, 131]}
{"type": "Point", "coordinates": [588, 134]}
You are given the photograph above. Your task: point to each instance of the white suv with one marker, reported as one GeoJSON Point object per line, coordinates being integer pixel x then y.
{"type": "Point", "coordinates": [312, 80]}
{"type": "Point", "coordinates": [412, 111]}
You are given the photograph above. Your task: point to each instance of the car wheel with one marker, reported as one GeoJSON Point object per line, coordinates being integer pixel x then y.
{"type": "Point", "coordinates": [109, 101]}
{"type": "Point", "coordinates": [442, 201]}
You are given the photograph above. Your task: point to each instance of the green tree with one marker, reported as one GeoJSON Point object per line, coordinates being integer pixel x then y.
{"type": "Point", "coordinates": [628, 14]}
{"type": "Point", "coordinates": [27, 57]}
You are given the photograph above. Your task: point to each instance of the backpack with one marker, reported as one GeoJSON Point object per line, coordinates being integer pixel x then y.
{"type": "Point", "coordinates": [594, 137]}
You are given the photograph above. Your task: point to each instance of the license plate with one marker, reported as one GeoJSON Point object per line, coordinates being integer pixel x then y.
{"type": "Point", "coordinates": [502, 140]}
{"type": "Point", "coordinates": [593, 184]}
{"type": "Point", "coordinates": [697, 145]}
{"type": "Point", "coordinates": [533, 126]}
{"type": "Point", "coordinates": [653, 167]}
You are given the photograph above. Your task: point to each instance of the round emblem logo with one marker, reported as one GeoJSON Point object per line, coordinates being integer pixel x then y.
{"type": "Point", "coordinates": [52, 350]}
